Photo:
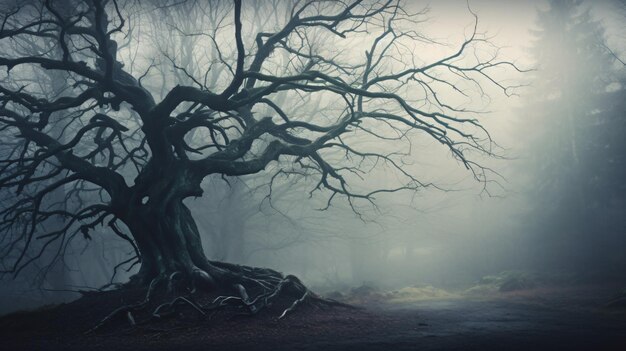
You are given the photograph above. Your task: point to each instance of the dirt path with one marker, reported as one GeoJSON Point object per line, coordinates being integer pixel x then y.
{"type": "Point", "coordinates": [539, 320]}
{"type": "Point", "coordinates": [502, 325]}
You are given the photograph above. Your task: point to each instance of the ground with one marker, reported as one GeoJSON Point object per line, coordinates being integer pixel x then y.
{"type": "Point", "coordinates": [542, 318]}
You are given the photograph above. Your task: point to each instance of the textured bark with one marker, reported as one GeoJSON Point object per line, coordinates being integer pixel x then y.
{"type": "Point", "coordinates": [168, 241]}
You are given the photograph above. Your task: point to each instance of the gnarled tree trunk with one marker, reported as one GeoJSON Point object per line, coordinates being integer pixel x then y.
{"type": "Point", "coordinates": [165, 233]}
{"type": "Point", "coordinates": [169, 242]}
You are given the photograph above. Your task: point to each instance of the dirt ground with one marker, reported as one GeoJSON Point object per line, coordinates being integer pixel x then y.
{"type": "Point", "coordinates": [538, 319]}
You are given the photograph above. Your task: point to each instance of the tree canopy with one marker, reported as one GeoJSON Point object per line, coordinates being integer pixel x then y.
{"type": "Point", "coordinates": [293, 97]}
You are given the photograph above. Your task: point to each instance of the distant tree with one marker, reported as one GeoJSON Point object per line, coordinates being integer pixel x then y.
{"type": "Point", "coordinates": [139, 149]}
{"type": "Point", "coordinates": [569, 116]}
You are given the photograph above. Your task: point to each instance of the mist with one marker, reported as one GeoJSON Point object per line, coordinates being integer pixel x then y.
{"type": "Point", "coordinates": [463, 229]}
{"type": "Point", "coordinates": [535, 199]}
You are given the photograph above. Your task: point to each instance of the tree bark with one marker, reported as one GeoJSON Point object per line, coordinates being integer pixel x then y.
{"type": "Point", "coordinates": [169, 243]}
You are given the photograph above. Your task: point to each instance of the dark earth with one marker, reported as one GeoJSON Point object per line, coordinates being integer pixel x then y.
{"type": "Point", "coordinates": [538, 319]}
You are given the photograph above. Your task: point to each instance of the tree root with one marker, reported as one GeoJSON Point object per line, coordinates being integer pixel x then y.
{"type": "Point", "coordinates": [127, 308]}
{"type": "Point", "coordinates": [248, 289]}
{"type": "Point", "coordinates": [179, 299]}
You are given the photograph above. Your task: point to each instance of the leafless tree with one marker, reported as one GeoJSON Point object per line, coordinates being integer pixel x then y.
{"type": "Point", "coordinates": [130, 146]}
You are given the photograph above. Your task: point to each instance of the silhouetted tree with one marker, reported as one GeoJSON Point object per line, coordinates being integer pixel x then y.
{"type": "Point", "coordinates": [130, 146]}
{"type": "Point", "coordinates": [569, 120]}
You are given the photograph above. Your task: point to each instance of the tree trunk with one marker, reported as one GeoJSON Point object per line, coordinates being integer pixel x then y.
{"type": "Point", "coordinates": [171, 252]}
{"type": "Point", "coordinates": [169, 243]}
{"type": "Point", "coordinates": [168, 240]}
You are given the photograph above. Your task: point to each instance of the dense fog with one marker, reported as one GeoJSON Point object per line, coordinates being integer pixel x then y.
{"type": "Point", "coordinates": [548, 200]}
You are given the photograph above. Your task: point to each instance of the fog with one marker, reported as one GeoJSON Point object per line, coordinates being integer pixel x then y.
{"type": "Point", "coordinates": [547, 201]}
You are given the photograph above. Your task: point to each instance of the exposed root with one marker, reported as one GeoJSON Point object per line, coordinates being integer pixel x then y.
{"type": "Point", "coordinates": [128, 308]}
{"type": "Point", "coordinates": [170, 305]}
{"type": "Point", "coordinates": [248, 289]}
{"type": "Point", "coordinates": [131, 319]}
{"type": "Point", "coordinates": [294, 305]}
